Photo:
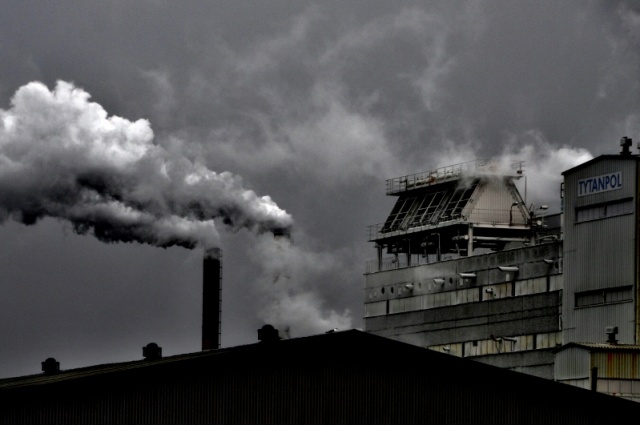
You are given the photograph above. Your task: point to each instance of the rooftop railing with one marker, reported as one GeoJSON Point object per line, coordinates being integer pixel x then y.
{"type": "Point", "coordinates": [439, 175]}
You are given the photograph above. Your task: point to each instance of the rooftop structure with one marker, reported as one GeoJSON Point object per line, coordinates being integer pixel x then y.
{"type": "Point", "coordinates": [452, 210]}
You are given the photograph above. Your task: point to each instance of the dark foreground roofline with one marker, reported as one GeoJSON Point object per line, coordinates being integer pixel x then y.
{"type": "Point", "coordinates": [342, 377]}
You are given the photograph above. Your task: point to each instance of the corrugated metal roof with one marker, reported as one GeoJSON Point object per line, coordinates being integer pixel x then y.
{"type": "Point", "coordinates": [89, 371]}
{"type": "Point", "coordinates": [111, 368]}
{"type": "Point", "coordinates": [346, 377]}
{"type": "Point", "coordinates": [601, 346]}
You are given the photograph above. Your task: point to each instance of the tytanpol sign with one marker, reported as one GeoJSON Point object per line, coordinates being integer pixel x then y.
{"type": "Point", "coordinates": [597, 184]}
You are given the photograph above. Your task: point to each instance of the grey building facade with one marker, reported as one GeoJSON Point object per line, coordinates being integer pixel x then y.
{"type": "Point", "coordinates": [528, 283]}
{"type": "Point", "coordinates": [601, 249]}
{"type": "Point", "coordinates": [477, 274]}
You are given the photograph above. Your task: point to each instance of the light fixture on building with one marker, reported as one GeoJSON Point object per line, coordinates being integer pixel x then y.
{"type": "Point", "coordinates": [468, 275]}
{"type": "Point", "coordinates": [548, 261]}
{"type": "Point", "coordinates": [438, 281]}
{"type": "Point", "coordinates": [509, 269]}
{"type": "Point", "coordinates": [446, 348]}
{"type": "Point", "coordinates": [510, 338]}
{"type": "Point", "coordinates": [489, 290]}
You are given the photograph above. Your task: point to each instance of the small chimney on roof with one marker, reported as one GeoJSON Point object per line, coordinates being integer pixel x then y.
{"type": "Point", "coordinates": [625, 144]}
{"type": "Point", "coordinates": [50, 366]}
{"type": "Point", "coordinates": [152, 351]}
{"type": "Point", "coordinates": [268, 334]}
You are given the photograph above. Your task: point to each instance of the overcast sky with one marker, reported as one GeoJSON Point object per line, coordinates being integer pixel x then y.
{"type": "Point", "coordinates": [297, 112]}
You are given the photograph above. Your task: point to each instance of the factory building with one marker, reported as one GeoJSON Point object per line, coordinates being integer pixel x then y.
{"type": "Point", "coordinates": [601, 249]}
{"type": "Point", "coordinates": [348, 377]}
{"type": "Point", "coordinates": [465, 267]}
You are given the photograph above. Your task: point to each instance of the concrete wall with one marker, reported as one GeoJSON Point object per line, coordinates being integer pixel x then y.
{"type": "Point", "coordinates": [433, 306]}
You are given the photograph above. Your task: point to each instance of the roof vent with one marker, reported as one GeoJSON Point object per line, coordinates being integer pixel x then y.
{"type": "Point", "coordinates": [152, 351]}
{"type": "Point", "coordinates": [50, 366]}
{"type": "Point", "coordinates": [612, 331]}
{"type": "Point", "coordinates": [268, 334]}
{"type": "Point", "coordinates": [625, 143]}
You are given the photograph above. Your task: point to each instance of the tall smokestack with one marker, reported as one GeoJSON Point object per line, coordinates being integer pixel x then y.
{"type": "Point", "coordinates": [211, 298]}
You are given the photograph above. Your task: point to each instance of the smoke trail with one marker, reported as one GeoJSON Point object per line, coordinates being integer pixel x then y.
{"type": "Point", "coordinates": [288, 297]}
{"type": "Point", "coordinates": [62, 156]}
{"type": "Point", "coordinates": [543, 166]}
{"type": "Point", "coordinates": [541, 161]}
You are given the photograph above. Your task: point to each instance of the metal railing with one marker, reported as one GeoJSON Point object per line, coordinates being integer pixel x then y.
{"type": "Point", "coordinates": [426, 178]}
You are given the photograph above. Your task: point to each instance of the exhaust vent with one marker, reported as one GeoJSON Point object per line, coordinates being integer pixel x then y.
{"type": "Point", "coordinates": [268, 334]}
{"type": "Point", "coordinates": [152, 351]}
{"type": "Point", "coordinates": [625, 144]}
{"type": "Point", "coordinates": [50, 366]}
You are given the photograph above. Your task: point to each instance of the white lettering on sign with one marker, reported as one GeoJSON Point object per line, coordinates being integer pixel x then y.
{"type": "Point", "coordinates": [597, 184]}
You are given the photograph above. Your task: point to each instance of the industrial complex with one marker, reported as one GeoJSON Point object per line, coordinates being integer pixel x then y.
{"type": "Point", "coordinates": [465, 267]}
{"type": "Point", "coordinates": [474, 304]}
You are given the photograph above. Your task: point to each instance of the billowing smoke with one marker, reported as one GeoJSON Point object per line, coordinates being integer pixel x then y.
{"type": "Point", "coordinates": [543, 164]}
{"type": "Point", "coordinates": [541, 161]}
{"type": "Point", "coordinates": [288, 297]}
{"type": "Point", "coordinates": [62, 156]}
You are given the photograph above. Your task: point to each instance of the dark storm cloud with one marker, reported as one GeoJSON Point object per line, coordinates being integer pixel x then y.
{"type": "Point", "coordinates": [316, 104]}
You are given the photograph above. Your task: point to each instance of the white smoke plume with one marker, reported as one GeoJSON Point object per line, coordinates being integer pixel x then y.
{"type": "Point", "coordinates": [62, 156]}
{"type": "Point", "coordinates": [543, 164]}
{"type": "Point", "coordinates": [286, 290]}
{"type": "Point", "coordinates": [541, 161]}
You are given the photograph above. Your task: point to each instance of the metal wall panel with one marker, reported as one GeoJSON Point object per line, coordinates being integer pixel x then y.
{"type": "Point", "coordinates": [494, 205]}
{"type": "Point", "coordinates": [617, 364]}
{"type": "Point", "coordinates": [599, 254]}
{"type": "Point", "coordinates": [572, 363]}
{"type": "Point", "coordinates": [375, 309]}
{"type": "Point", "coordinates": [531, 286]}
{"type": "Point", "coordinates": [592, 322]}
{"type": "Point", "coordinates": [530, 259]}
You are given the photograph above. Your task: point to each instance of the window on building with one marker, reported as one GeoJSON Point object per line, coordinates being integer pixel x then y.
{"type": "Point", "coordinates": [600, 211]}
{"type": "Point", "coordinates": [597, 297]}
{"type": "Point", "coordinates": [429, 207]}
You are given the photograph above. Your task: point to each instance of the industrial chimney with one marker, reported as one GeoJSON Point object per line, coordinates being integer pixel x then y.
{"type": "Point", "coordinates": [211, 298]}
